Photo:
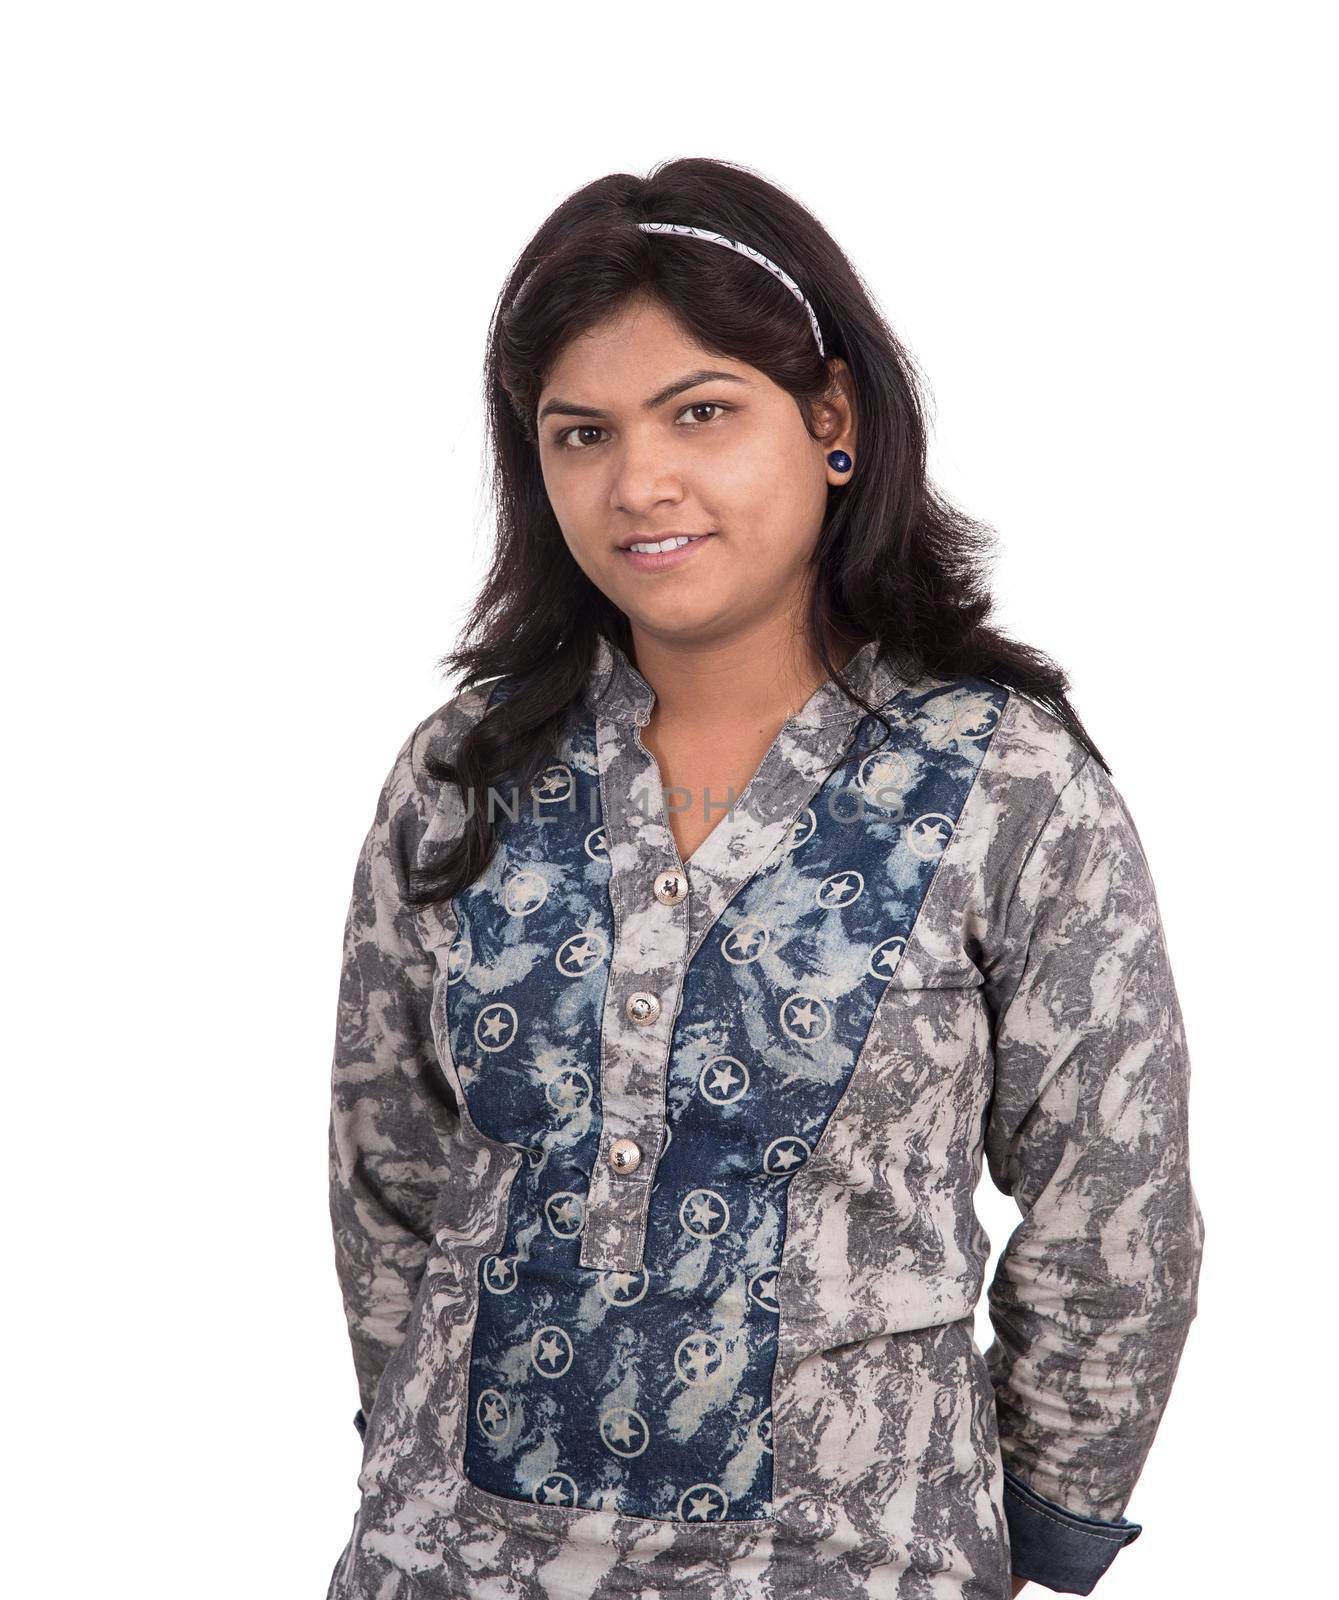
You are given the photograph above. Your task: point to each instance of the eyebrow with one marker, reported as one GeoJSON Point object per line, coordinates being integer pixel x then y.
{"type": "Point", "coordinates": [568, 409]}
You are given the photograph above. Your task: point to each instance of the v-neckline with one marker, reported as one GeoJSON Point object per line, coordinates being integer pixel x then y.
{"type": "Point", "coordinates": [766, 812]}
{"type": "Point", "coordinates": [689, 862]}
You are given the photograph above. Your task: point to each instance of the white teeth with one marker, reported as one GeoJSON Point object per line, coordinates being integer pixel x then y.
{"type": "Point", "coordinates": [666, 544]}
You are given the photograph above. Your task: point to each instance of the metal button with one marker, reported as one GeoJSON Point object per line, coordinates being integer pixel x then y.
{"type": "Point", "coordinates": [642, 1008]}
{"type": "Point", "coordinates": [671, 887]}
{"type": "Point", "coordinates": [624, 1156]}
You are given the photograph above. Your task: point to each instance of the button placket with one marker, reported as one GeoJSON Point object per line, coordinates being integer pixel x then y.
{"type": "Point", "coordinates": [641, 1001]}
{"type": "Point", "coordinates": [634, 1065]}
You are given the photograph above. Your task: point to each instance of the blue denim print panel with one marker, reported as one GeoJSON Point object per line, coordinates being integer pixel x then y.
{"type": "Point", "coordinates": [648, 1390]}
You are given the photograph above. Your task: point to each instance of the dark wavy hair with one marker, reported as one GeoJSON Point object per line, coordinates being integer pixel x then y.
{"type": "Point", "coordinates": [893, 560]}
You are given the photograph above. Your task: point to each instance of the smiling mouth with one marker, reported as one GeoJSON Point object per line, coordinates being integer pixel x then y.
{"type": "Point", "coordinates": [652, 556]}
{"type": "Point", "coordinates": [674, 542]}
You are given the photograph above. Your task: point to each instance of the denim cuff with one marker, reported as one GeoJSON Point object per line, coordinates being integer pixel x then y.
{"type": "Point", "coordinates": [360, 1422]}
{"type": "Point", "coordinates": [1061, 1549]}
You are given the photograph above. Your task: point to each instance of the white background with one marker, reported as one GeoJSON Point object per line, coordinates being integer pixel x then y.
{"type": "Point", "coordinates": [251, 253]}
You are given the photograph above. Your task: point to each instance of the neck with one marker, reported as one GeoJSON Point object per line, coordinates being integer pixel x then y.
{"type": "Point", "coordinates": [758, 677]}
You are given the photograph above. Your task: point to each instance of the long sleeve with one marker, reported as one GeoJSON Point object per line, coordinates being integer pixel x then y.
{"type": "Point", "coordinates": [1096, 1287]}
{"type": "Point", "coordinates": [391, 1109]}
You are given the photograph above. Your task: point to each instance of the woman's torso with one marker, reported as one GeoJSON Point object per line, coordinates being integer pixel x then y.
{"type": "Point", "coordinates": [743, 1365]}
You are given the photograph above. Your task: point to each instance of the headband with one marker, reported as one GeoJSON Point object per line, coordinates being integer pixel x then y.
{"type": "Point", "coordinates": [730, 244]}
{"type": "Point", "coordinates": [744, 250]}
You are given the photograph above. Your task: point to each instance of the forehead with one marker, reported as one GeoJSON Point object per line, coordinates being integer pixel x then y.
{"type": "Point", "coordinates": [638, 357]}
{"type": "Point", "coordinates": [636, 336]}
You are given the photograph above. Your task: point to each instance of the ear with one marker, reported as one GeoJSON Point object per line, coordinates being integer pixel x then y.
{"type": "Point", "coordinates": [837, 418]}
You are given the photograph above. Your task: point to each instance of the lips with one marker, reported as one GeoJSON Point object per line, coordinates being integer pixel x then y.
{"type": "Point", "coordinates": [674, 534]}
{"type": "Point", "coordinates": [662, 560]}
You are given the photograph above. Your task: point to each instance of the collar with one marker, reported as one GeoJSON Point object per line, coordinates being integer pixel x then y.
{"type": "Point", "coordinates": [617, 690]}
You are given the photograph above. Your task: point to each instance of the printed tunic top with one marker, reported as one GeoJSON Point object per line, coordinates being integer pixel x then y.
{"type": "Point", "coordinates": [652, 1181]}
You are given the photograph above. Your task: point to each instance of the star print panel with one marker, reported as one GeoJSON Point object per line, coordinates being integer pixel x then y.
{"type": "Point", "coordinates": [650, 1392]}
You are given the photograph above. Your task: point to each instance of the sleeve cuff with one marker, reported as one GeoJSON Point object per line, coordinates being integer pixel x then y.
{"type": "Point", "coordinates": [360, 1422]}
{"type": "Point", "coordinates": [1058, 1548]}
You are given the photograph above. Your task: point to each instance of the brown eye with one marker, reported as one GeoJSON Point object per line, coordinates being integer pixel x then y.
{"type": "Point", "coordinates": [565, 437]}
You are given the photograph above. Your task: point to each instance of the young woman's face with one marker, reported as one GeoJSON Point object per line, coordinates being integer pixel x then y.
{"type": "Point", "coordinates": [637, 445]}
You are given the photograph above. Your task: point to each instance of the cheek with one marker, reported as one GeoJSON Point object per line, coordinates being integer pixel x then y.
{"type": "Point", "coordinates": [777, 518]}
{"type": "Point", "coordinates": [575, 513]}
{"type": "Point", "coordinates": [777, 469]}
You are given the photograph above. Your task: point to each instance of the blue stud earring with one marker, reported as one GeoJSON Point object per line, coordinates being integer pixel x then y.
{"type": "Point", "coordinates": [839, 461]}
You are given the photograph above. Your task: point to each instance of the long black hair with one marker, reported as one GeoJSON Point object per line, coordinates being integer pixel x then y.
{"type": "Point", "coordinates": [893, 561]}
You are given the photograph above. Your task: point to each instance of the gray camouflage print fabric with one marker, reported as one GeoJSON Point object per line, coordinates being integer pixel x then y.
{"type": "Point", "coordinates": [746, 1367]}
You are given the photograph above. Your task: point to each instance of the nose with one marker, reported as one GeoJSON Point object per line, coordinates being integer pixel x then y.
{"type": "Point", "coordinates": [644, 475]}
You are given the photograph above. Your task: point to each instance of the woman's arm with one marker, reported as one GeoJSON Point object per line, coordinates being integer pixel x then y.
{"type": "Point", "coordinates": [391, 1109]}
{"type": "Point", "coordinates": [1088, 1131]}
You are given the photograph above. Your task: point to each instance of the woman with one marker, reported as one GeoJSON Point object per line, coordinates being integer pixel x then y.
{"type": "Point", "coordinates": [749, 891]}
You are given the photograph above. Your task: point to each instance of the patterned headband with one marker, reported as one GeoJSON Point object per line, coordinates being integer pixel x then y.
{"type": "Point", "coordinates": [744, 250]}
